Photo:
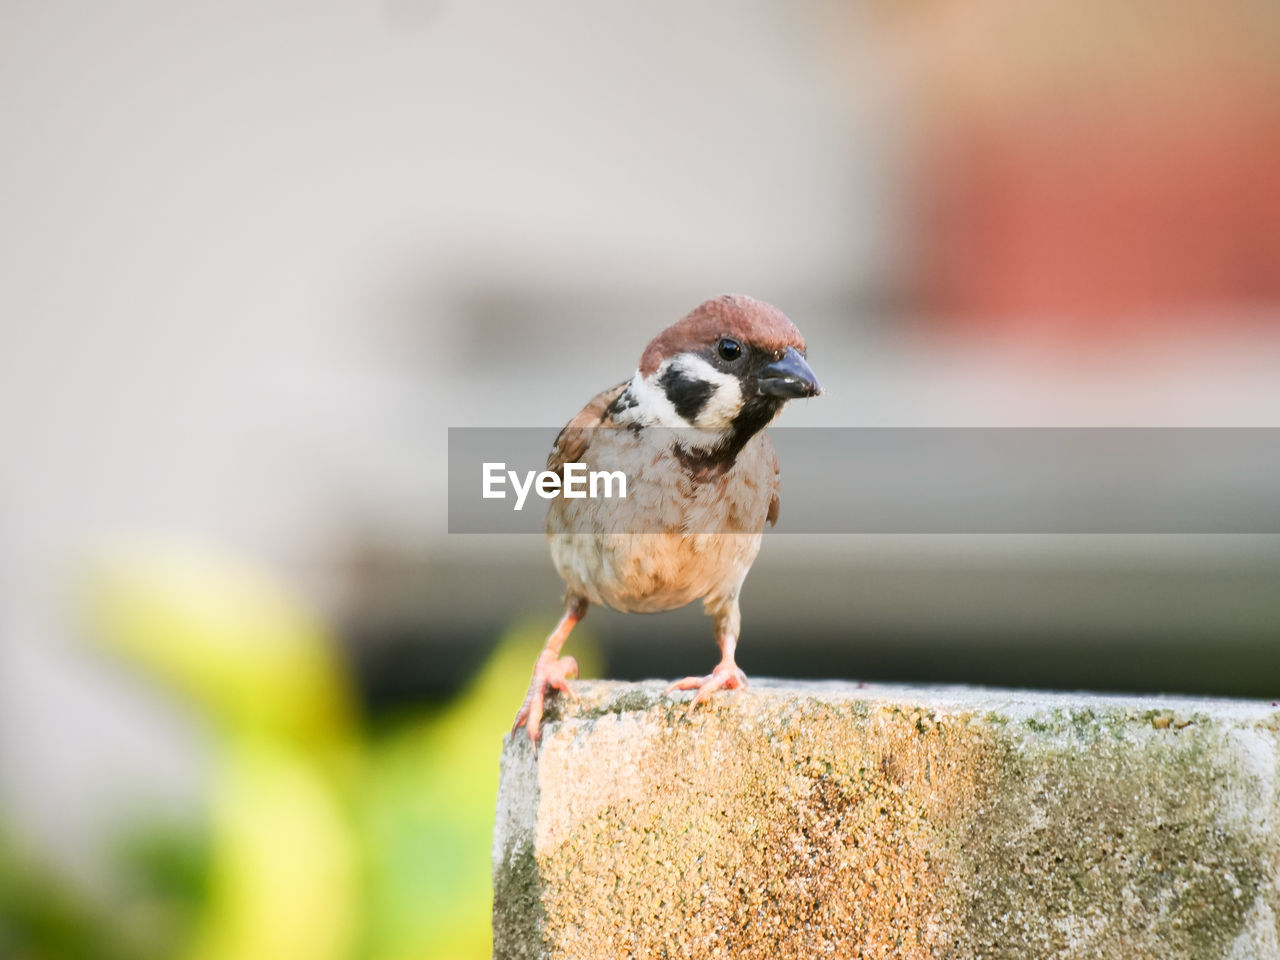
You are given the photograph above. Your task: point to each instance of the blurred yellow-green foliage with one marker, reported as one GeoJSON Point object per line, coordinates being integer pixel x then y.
{"type": "Point", "coordinates": [325, 839]}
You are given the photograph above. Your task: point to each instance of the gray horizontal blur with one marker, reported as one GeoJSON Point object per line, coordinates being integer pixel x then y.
{"type": "Point", "coordinates": [946, 481]}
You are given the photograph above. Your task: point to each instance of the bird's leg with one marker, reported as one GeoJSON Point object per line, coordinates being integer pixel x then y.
{"type": "Point", "coordinates": [550, 671]}
{"type": "Point", "coordinates": [727, 675]}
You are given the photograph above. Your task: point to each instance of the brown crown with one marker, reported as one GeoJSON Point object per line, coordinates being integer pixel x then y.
{"type": "Point", "coordinates": [754, 322]}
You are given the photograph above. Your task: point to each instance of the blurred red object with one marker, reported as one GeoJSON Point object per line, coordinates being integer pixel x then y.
{"type": "Point", "coordinates": [1083, 171]}
{"type": "Point", "coordinates": [1097, 223]}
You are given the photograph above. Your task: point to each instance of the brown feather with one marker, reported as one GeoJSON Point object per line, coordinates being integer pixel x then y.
{"type": "Point", "coordinates": [753, 321]}
{"type": "Point", "coordinates": [775, 501]}
{"type": "Point", "coordinates": [571, 443]}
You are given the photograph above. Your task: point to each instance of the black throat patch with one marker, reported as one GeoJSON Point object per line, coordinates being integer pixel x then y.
{"type": "Point", "coordinates": [714, 462]}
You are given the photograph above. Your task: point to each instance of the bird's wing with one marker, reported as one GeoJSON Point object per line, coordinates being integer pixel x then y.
{"type": "Point", "coordinates": [572, 441]}
{"type": "Point", "coordinates": [775, 500]}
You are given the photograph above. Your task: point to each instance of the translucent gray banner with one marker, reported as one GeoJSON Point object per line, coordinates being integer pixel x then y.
{"type": "Point", "coordinates": [891, 480]}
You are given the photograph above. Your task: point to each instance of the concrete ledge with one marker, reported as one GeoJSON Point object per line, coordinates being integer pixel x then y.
{"type": "Point", "coordinates": [816, 820]}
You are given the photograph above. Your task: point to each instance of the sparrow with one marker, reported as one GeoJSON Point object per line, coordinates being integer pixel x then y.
{"type": "Point", "coordinates": [688, 431]}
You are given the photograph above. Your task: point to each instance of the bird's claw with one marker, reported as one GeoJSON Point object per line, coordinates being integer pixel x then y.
{"type": "Point", "coordinates": [550, 673]}
{"type": "Point", "coordinates": [726, 676]}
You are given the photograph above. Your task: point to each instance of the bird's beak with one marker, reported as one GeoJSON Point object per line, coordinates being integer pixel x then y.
{"type": "Point", "coordinates": [789, 377]}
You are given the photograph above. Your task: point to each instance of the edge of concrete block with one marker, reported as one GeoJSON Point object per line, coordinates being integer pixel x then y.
{"type": "Point", "coordinates": [802, 819]}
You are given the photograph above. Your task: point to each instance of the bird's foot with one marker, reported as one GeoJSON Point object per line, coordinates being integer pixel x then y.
{"type": "Point", "coordinates": [726, 676]}
{"type": "Point", "coordinates": [549, 673]}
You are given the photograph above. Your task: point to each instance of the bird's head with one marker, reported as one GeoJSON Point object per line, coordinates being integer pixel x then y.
{"type": "Point", "coordinates": [728, 368]}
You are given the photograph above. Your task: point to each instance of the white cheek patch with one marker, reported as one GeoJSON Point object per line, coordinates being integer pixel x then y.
{"type": "Point", "coordinates": [654, 408]}
{"type": "Point", "coordinates": [652, 405]}
{"type": "Point", "coordinates": [726, 396]}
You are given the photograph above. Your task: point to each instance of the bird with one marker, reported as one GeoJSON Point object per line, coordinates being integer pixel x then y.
{"type": "Point", "coordinates": [688, 430]}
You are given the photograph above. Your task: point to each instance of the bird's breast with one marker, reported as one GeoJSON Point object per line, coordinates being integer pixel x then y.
{"type": "Point", "coordinates": [673, 539]}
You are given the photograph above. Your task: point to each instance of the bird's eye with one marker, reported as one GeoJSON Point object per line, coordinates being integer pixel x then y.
{"type": "Point", "coordinates": [729, 349]}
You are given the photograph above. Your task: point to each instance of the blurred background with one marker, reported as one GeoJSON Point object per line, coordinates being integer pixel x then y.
{"type": "Point", "coordinates": [257, 258]}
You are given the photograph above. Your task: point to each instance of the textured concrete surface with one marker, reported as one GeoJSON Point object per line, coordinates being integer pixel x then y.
{"type": "Point", "coordinates": [827, 820]}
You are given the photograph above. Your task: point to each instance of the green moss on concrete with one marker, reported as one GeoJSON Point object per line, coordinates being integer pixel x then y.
{"type": "Point", "coordinates": [1113, 840]}
{"type": "Point", "coordinates": [519, 916]}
